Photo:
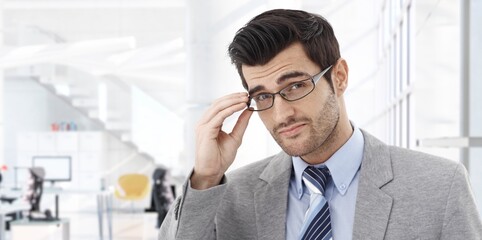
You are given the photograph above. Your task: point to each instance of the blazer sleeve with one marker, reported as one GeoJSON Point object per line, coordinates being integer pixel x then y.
{"type": "Point", "coordinates": [193, 214]}
{"type": "Point", "coordinates": [461, 218]}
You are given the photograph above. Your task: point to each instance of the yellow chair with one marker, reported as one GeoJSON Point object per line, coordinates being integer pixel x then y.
{"type": "Point", "coordinates": [132, 187]}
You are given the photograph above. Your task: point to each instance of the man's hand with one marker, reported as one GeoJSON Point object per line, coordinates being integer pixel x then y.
{"type": "Point", "coordinates": [215, 149]}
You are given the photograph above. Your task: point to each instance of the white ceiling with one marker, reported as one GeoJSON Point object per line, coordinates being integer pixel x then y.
{"type": "Point", "coordinates": [157, 63]}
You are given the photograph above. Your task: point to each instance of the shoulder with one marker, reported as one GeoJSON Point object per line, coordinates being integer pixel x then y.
{"type": "Point", "coordinates": [251, 171]}
{"type": "Point", "coordinates": [430, 178]}
{"type": "Point", "coordinates": [403, 167]}
{"type": "Point", "coordinates": [383, 158]}
{"type": "Point", "coordinates": [422, 164]}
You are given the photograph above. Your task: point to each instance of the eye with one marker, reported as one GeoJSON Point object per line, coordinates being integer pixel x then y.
{"type": "Point", "coordinates": [262, 97]}
{"type": "Point", "coordinates": [297, 85]}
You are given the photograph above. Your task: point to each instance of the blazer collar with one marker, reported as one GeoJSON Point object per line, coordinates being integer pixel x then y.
{"type": "Point", "coordinates": [376, 164]}
{"type": "Point", "coordinates": [373, 205]}
{"type": "Point", "coordinates": [278, 166]}
{"type": "Point", "coordinates": [271, 198]}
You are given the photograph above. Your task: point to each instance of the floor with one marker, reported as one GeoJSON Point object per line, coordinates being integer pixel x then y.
{"type": "Point", "coordinates": [126, 226]}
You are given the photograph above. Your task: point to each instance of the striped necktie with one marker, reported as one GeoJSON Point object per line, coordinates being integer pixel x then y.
{"type": "Point", "coordinates": [317, 223]}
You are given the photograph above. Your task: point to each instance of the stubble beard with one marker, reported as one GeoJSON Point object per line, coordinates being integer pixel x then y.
{"type": "Point", "coordinates": [321, 133]}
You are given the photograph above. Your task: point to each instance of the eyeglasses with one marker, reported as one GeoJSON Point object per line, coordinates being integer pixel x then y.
{"type": "Point", "coordinates": [294, 91]}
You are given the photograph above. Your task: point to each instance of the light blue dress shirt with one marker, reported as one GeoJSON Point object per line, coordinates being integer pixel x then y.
{"type": "Point", "coordinates": [344, 166]}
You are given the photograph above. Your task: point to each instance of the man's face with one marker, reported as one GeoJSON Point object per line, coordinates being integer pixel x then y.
{"type": "Point", "coordinates": [299, 127]}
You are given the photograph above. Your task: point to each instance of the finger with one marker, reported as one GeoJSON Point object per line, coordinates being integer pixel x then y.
{"type": "Point", "coordinates": [212, 128]}
{"type": "Point", "coordinates": [222, 103]}
{"type": "Point", "coordinates": [217, 120]}
{"type": "Point", "coordinates": [241, 125]}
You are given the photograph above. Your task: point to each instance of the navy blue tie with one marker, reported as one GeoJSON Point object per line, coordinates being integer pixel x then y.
{"type": "Point", "coordinates": [317, 223]}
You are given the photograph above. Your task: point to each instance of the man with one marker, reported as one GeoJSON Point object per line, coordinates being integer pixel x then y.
{"type": "Point", "coordinates": [332, 179]}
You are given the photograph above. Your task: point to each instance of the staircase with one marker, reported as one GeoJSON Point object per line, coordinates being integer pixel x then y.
{"type": "Point", "coordinates": [103, 101]}
{"type": "Point", "coordinates": [118, 88]}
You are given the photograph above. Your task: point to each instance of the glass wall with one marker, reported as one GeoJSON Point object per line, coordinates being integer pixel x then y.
{"type": "Point", "coordinates": [424, 92]}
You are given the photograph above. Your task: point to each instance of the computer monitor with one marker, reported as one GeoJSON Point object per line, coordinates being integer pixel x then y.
{"type": "Point", "coordinates": [57, 168]}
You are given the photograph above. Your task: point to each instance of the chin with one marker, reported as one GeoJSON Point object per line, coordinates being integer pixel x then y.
{"type": "Point", "coordinates": [295, 152]}
{"type": "Point", "coordinates": [295, 147]}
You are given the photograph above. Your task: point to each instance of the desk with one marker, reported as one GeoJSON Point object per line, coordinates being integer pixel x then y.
{"type": "Point", "coordinates": [10, 208]}
{"type": "Point", "coordinates": [104, 205]}
{"type": "Point", "coordinates": [25, 229]}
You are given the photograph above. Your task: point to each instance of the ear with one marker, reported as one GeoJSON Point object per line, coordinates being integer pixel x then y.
{"type": "Point", "coordinates": [339, 76]}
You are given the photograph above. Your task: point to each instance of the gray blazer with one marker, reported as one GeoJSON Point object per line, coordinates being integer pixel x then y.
{"type": "Point", "coordinates": [402, 194]}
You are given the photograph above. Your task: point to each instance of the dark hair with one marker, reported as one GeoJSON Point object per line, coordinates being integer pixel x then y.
{"type": "Point", "coordinates": [271, 32]}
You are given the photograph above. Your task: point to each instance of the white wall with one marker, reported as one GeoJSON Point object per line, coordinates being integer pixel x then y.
{"type": "Point", "coordinates": [360, 47]}
{"type": "Point", "coordinates": [437, 73]}
{"type": "Point", "coordinates": [2, 160]}
{"type": "Point", "coordinates": [475, 107]}
{"type": "Point", "coordinates": [357, 24]}
{"type": "Point", "coordinates": [30, 107]}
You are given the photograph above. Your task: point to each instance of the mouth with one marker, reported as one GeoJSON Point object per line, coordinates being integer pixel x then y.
{"type": "Point", "coordinates": [291, 130]}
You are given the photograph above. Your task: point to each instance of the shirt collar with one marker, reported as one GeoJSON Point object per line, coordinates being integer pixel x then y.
{"type": "Point", "coordinates": [343, 164]}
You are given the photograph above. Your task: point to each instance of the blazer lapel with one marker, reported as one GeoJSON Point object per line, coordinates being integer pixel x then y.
{"type": "Point", "coordinates": [373, 206]}
{"type": "Point", "coordinates": [271, 198]}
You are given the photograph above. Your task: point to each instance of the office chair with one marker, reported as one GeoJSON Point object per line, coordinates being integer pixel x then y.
{"type": "Point", "coordinates": [34, 195]}
{"type": "Point", "coordinates": [132, 187]}
{"type": "Point", "coordinates": [35, 188]}
{"type": "Point", "coordinates": [162, 195]}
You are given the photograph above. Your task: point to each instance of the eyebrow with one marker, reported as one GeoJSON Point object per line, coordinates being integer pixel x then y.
{"type": "Point", "coordinates": [279, 81]}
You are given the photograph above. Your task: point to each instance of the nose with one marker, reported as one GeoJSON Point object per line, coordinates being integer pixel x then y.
{"type": "Point", "coordinates": [282, 109]}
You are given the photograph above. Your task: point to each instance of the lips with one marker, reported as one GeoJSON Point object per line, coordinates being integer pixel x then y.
{"type": "Point", "coordinates": [291, 130]}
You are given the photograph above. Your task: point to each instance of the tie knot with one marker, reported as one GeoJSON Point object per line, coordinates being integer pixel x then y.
{"type": "Point", "coordinates": [316, 179]}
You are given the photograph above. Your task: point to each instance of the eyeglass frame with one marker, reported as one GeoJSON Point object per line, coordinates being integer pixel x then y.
{"type": "Point", "coordinates": [314, 79]}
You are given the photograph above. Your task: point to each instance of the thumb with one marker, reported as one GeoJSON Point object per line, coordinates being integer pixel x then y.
{"type": "Point", "coordinates": [241, 125]}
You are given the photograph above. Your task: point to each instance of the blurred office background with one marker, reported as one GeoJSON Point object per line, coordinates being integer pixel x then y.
{"type": "Point", "coordinates": [118, 86]}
